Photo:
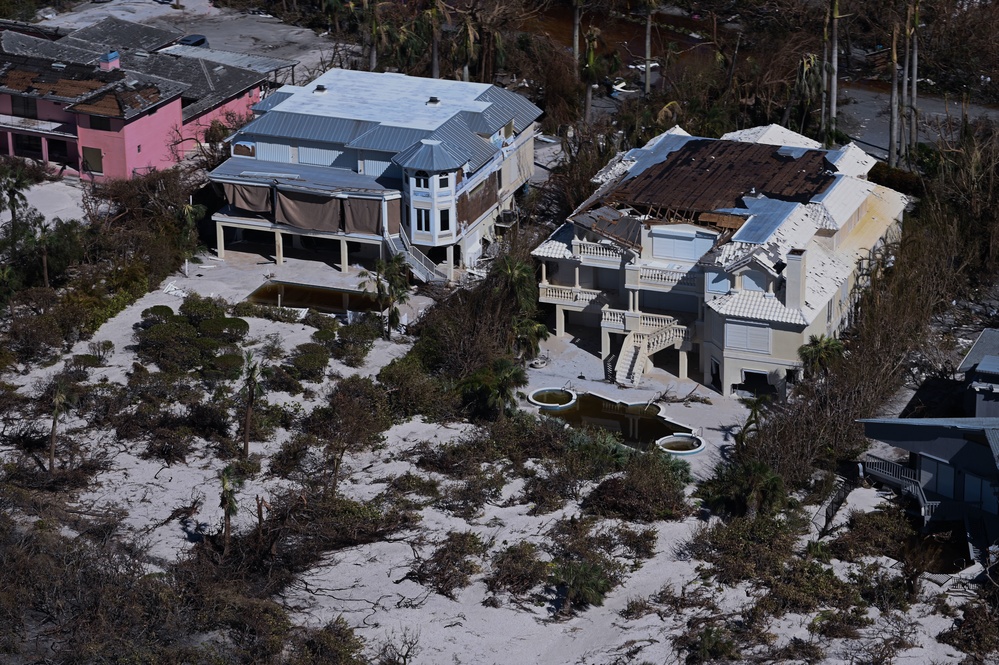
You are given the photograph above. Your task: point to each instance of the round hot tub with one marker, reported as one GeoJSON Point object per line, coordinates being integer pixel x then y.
{"type": "Point", "coordinates": [681, 444]}
{"type": "Point", "coordinates": [552, 399]}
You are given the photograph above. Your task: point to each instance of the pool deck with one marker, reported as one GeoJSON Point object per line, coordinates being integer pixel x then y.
{"type": "Point", "coordinates": [573, 367]}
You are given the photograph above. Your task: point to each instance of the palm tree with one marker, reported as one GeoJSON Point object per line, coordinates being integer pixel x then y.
{"type": "Point", "coordinates": [60, 403]}
{"type": "Point", "coordinates": [391, 288]}
{"type": "Point", "coordinates": [13, 181]}
{"type": "Point", "coordinates": [820, 353]}
{"type": "Point", "coordinates": [40, 239]}
{"type": "Point", "coordinates": [528, 333]}
{"type": "Point", "coordinates": [590, 75]}
{"type": "Point", "coordinates": [516, 278]}
{"type": "Point", "coordinates": [435, 15]}
{"type": "Point", "coordinates": [650, 7]}
{"type": "Point", "coordinates": [228, 504]}
{"type": "Point", "coordinates": [253, 388]}
{"type": "Point", "coordinates": [493, 389]}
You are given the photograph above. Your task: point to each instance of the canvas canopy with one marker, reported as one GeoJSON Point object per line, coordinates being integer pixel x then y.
{"type": "Point", "coordinates": [362, 216]}
{"type": "Point", "coordinates": [307, 211]}
{"type": "Point", "coordinates": [253, 198]}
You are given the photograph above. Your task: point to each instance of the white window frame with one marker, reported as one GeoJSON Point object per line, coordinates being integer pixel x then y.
{"type": "Point", "coordinates": [423, 220]}
{"type": "Point", "coordinates": [421, 180]}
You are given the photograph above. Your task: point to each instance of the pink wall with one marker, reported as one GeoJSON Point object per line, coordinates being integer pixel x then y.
{"type": "Point", "coordinates": [47, 110]}
{"type": "Point", "coordinates": [195, 127]}
{"type": "Point", "coordinates": [121, 148]}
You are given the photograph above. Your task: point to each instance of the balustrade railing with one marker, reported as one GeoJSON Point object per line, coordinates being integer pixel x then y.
{"type": "Point", "coordinates": [660, 276]}
{"type": "Point", "coordinates": [595, 250]}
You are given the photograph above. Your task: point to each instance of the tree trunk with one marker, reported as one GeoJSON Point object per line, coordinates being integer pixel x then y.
{"type": "Point", "coordinates": [45, 266]}
{"type": "Point", "coordinates": [903, 144]}
{"type": "Point", "coordinates": [373, 56]}
{"type": "Point", "coordinates": [226, 532]}
{"type": "Point", "coordinates": [825, 75]}
{"type": "Point", "coordinates": [435, 59]}
{"type": "Point", "coordinates": [588, 104]}
{"type": "Point", "coordinates": [648, 53]}
{"type": "Point", "coordinates": [834, 74]}
{"type": "Point", "coordinates": [464, 72]}
{"type": "Point", "coordinates": [577, 17]}
{"type": "Point", "coordinates": [913, 100]}
{"type": "Point", "coordinates": [247, 419]}
{"type": "Point", "coordinates": [52, 442]}
{"type": "Point", "coordinates": [893, 109]}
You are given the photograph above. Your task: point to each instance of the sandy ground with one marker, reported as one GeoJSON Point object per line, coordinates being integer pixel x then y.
{"type": "Point", "coordinates": [61, 198]}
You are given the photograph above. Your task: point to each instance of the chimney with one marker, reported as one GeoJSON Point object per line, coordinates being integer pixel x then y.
{"type": "Point", "coordinates": [110, 61]}
{"type": "Point", "coordinates": [794, 279]}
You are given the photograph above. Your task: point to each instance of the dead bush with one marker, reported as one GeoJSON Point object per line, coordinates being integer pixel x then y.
{"type": "Point", "coordinates": [451, 567]}
{"type": "Point", "coordinates": [650, 489]}
{"type": "Point", "coordinates": [747, 549]}
{"type": "Point", "coordinates": [838, 624]}
{"type": "Point", "coordinates": [975, 633]}
{"type": "Point", "coordinates": [880, 533]}
{"type": "Point", "coordinates": [467, 498]}
{"type": "Point", "coordinates": [335, 643]}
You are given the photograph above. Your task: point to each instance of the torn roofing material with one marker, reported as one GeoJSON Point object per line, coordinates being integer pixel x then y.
{"type": "Point", "coordinates": [706, 175]}
{"type": "Point", "coordinates": [612, 224]}
{"type": "Point", "coordinates": [118, 34]}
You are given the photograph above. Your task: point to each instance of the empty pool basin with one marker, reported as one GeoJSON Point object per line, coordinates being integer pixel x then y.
{"type": "Point", "coordinates": [681, 444]}
{"type": "Point", "coordinates": [553, 399]}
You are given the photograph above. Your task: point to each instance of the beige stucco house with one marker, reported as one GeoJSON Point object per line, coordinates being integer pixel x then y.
{"type": "Point", "coordinates": [718, 257]}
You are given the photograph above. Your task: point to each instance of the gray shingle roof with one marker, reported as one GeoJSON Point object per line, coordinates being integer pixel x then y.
{"type": "Point", "coordinates": [987, 344]}
{"type": "Point", "coordinates": [116, 34]}
{"type": "Point", "coordinates": [307, 127]}
{"type": "Point", "coordinates": [18, 44]}
{"type": "Point", "coordinates": [428, 155]}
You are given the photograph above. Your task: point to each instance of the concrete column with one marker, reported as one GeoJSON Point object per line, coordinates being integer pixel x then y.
{"type": "Point", "coordinates": [45, 150]}
{"type": "Point", "coordinates": [559, 321]}
{"type": "Point", "coordinates": [683, 365]}
{"type": "Point", "coordinates": [220, 240]}
{"type": "Point", "coordinates": [278, 247]}
{"type": "Point", "coordinates": [450, 263]}
{"type": "Point", "coordinates": [544, 273]}
{"type": "Point", "coordinates": [730, 375]}
{"type": "Point", "coordinates": [343, 255]}
{"type": "Point", "coordinates": [577, 277]}
{"type": "Point", "coordinates": [604, 343]}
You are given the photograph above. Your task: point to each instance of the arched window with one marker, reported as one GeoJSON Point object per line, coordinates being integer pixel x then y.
{"type": "Point", "coordinates": [421, 180]}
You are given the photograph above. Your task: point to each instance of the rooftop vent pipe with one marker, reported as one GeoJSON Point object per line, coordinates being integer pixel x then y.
{"type": "Point", "coordinates": [433, 101]}
{"type": "Point", "coordinates": [320, 90]}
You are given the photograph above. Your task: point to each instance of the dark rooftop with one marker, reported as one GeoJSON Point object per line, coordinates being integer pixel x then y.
{"type": "Point", "coordinates": [118, 34]}
{"type": "Point", "coordinates": [706, 175]}
{"type": "Point", "coordinates": [987, 344]}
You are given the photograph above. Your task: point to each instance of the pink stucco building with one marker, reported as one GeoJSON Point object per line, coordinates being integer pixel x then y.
{"type": "Point", "coordinates": [116, 99]}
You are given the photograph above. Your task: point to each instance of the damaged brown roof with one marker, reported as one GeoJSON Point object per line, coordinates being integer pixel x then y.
{"type": "Point", "coordinates": [117, 93]}
{"type": "Point", "coordinates": [706, 175]}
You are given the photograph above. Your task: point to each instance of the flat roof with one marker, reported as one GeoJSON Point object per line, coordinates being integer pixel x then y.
{"type": "Point", "coordinates": [257, 63]}
{"type": "Point", "coordinates": [303, 177]}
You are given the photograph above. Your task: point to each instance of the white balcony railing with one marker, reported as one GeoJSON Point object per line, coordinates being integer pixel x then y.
{"type": "Point", "coordinates": [551, 293]}
{"type": "Point", "coordinates": [612, 318]}
{"type": "Point", "coordinates": [594, 250]}
{"type": "Point", "coordinates": [662, 277]}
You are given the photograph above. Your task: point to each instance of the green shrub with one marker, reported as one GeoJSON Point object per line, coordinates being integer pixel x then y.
{"type": "Point", "coordinates": [101, 350]}
{"type": "Point", "coordinates": [209, 419]}
{"type": "Point", "coordinates": [747, 548]}
{"type": "Point", "coordinates": [517, 569]}
{"type": "Point", "coordinates": [708, 645]}
{"type": "Point", "coordinates": [310, 361]}
{"type": "Point", "coordinates": [85, 361]}
{"type": "Point", "coordinates": [650, 489]}
{"type": "Point", "coordinates": [157, 314]}
{"type": "Point", "coordinates": [170, 346]}
{"type": "Point", "coordinates": [290, 456]}
{"type": "Point", "coordinates": [837, 624]}
{"type": "Point", "coordinates": [34, 336]}
{"type": "Point", "coordinates": [325, 337]}
{"type": "Point", "coordinates": [335, 644]}
{"type": "Point", "coordinates": [321, 322]}
{"type": "Point", "coordinates": [743, 488]}
{"type": "Point", "coordinates": [467, 498]}
{"type": "Point", "coordinates": [228, 365]}
{"type": "Point", "coordinates": [227, 331]}
{"type": "Point", "coordinates": [198, 308]}
{"type": "Point", "coordinates": [169, 445]}
{"type": "Point", "coordinates": [278, 380]}
{"type": "Point", "coordinates": [414, 392]}
{"type": "Point", "coordinates": [579, 584]}
{"type": "Point", "coordinates": [354, 341]}
{"type": "Point", "coordinates": [805, 585]}
{"type": "Point", "coordinates": [975, 633]}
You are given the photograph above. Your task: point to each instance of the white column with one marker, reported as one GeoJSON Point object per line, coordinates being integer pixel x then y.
{"type": "Point", "coordinates": [559, 321]}
{"type": "Point", "coordinates": [577, 277]}
{"type": "Point", "coordinates": [343, 255]}
{"type": "Point", "coordinates": [450, 263]}
{"type": "Point", "coordinates": [220, 240]}
{"type": "Point", "coordinates": [544, 273]}
{"type": "Point", "coordinates": [604, 343]}
{"type": "Point", "coordinates": [683, 365]}
{"type": "Point", "coordinates": [279, 247]}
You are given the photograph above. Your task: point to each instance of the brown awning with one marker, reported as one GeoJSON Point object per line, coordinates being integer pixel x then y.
{"type": "Point", "coordinates": [394, 216]}
{"type": "Point", "coordinates": [362, 216]}
{"type": "Point", "coordinates": [252, 198]}
{"type": "Point", "coordinates": [307, 211]}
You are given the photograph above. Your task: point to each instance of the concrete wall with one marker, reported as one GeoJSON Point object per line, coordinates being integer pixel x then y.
{"type": "Point", "coordinates": [140, 144]}
{"type": "Point", "coordinates": [194, 128]}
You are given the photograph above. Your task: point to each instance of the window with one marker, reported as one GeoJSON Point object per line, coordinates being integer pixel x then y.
{"type": "Point", "coordinates": [100, 123]}
{"type": "Point", "coordinates": [442, 181]}
{"type": "Point", "coordinates": [445, 221]}
{"type": "Point", "coordinates": [24, 107]}
{"type": "Point", "coordinates": [421, 180]}
{"type": "Point", "coordinates": [93, 160]}
{"type": "Point", "coordinates": [718, 283]}
{"type": "Point", "coordinates": [753, 280]}
{"type": "Point", "coordinates": [422, 219]}
{"type": "Point", "coordinates": [747, 337]}
{"type": "Point", "coordinates": [27, 146]}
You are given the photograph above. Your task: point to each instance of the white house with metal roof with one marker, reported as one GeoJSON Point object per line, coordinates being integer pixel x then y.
{"type": "Point", "coordinates": [727, 254]}
{"type": "Point", "coordinates": [442, 158]}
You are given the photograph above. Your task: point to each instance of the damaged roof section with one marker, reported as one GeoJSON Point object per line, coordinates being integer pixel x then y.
{"type": "Point", "coordinates": [87, 89]}
{"type": "Point", "coordinates": [119, 34]}
{"type": "Point", "coordinates": [612, 224]}
{"type": "Point", "coordinates": [707, 175]}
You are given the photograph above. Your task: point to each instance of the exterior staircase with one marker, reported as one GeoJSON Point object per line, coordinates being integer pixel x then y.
{"type": "Point", "coordinates": [637, 348]}
{"type": "Point", "coordinates": [422, 267]}
{"type": "Point", "coordinates": [904, 478]}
